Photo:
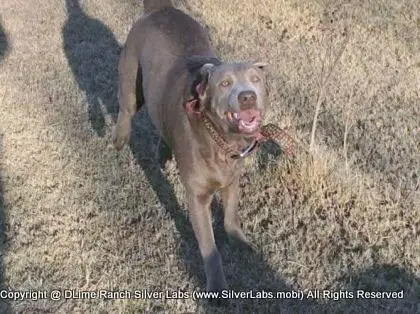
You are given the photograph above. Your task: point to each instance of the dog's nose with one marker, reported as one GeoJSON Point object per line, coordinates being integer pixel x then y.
{"type": "Point", "coordinates": [247, 99]}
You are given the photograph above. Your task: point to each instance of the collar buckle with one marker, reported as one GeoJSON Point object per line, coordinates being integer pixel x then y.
{"type": "Point", "coordinates": [246, 151]}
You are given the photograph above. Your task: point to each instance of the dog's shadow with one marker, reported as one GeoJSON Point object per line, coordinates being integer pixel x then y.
{"type": "Point", "coordinates": [92, 52]}
{"type": "Point", "coordinates": [4, 43]}
{"type": "Point", "coordinates": [5, 306]}
{"type": "Point", "coordinates": [4, 303]}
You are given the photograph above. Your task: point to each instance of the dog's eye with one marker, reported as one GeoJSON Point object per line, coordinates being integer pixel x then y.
{"type": "Point", "coordinates": [255, 79]}
{"type": "Point", "coordinates": [225, 83]}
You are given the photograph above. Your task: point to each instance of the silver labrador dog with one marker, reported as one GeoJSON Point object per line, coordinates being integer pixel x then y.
{"type": "Point", "coordinates": [207, 111]}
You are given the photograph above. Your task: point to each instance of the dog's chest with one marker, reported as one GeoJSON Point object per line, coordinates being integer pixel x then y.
{"type": "Point", "coordinates": [221, 171]}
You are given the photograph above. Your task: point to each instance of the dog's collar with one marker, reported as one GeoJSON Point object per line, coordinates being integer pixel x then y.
{"type": "Point", "coordinates": [192, 108]}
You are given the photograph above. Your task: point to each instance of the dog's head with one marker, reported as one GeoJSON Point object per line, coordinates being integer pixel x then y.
{"type": "Point", "coordinates": [234, 94]}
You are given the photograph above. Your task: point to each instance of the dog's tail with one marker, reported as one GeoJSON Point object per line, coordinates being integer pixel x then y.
{"type": "Point", "coordinates": [156, 5]}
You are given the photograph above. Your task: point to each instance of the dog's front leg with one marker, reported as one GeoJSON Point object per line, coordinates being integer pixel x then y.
{"type": "Point", "coordinates": [199, 201]}
{"type": "Point", "coordinates": [230, 199]}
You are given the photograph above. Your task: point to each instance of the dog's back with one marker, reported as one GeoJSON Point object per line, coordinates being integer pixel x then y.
{"type": "Point", "coordinates": [164, 39]}
{"type": "Point", "coordinates": [154, 58]}
{"type": "Point", "coordinates": [156, 5]}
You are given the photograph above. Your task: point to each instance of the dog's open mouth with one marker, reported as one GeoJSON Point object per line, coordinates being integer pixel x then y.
{"type": "Point", "coordinates": [247, 121]}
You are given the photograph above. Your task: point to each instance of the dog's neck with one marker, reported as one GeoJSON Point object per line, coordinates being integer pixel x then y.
{"type": "Point", "coordinates": [236, 146]}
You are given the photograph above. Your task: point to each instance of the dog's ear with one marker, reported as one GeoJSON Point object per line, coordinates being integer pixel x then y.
{"type": "Point", "coordinates": [205, 73]}
{"type": "Point", "coordinates": [260, 65]}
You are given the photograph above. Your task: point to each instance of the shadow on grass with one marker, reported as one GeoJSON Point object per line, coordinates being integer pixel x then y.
{"type": "Point", "coordinates": [92, 53]}
{"type": "Point", "coordinates": [4, 303]}
{"type": "Point", "coordinates": [378, 278]}
{"type": "Point", "coordinates": [4, 43]}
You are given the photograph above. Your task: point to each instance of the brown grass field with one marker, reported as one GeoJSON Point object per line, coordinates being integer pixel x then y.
{"type": "Point", "coordinates": [75, 214]}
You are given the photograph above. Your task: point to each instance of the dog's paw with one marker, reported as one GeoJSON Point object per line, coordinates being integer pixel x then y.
{"type": "Point", "coordinates": [217, 293]}
{"type": "Point", "coordinates": [119, 142]}
{"type": "Point", "coordinates": [243, 244]}
{"type": "Point", "coordinates": [238, 238]}
{"type": "Point", "coordinates": [217, 285]}
{"type": "Point", "coordinates": [121, 132]}
{"type": "Point", "coordinates": [215, 278]}
{"type": "Point", "coordinates": [119, 138]}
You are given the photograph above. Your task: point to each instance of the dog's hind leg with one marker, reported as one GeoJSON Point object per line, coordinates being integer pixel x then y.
{"type": "Point", "coordinates": [130, 96]}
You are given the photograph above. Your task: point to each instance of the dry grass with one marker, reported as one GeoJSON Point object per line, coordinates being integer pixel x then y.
{"type": "Point", "coordinates": [77, 215]}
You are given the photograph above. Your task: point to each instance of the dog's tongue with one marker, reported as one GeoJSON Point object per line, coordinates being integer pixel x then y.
{"type": "Point", "coordinates": [249, 115]}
